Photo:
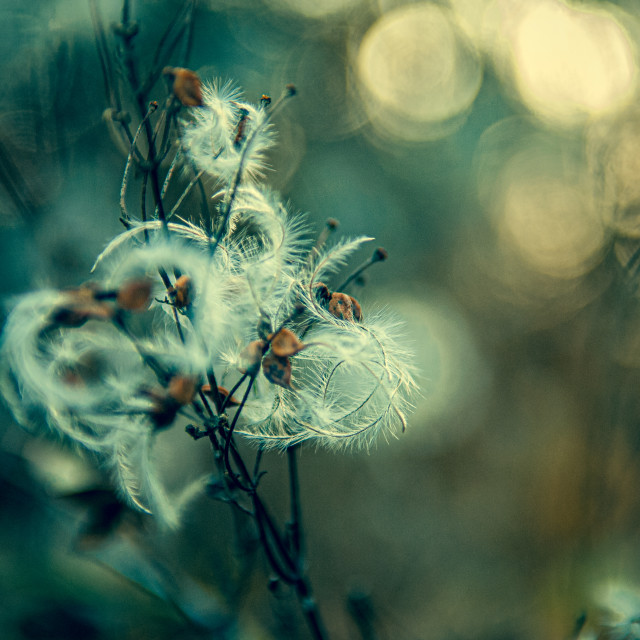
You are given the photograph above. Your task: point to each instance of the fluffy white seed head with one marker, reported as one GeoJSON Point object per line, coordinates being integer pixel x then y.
{"type": "Point", "coordinates": [224, 131]}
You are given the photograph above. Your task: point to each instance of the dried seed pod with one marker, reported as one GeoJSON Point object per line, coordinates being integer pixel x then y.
{"type": "Point", "coordinates": [167, 402]}
{"type": "Point", "coordinates": [75, 315]}
{"type": "Point", "coordinates": [251, 356]}
{"type": "Point", "coordinates": [345, 307]}
{"type": "Point", "coordinates": [285, 343]}
{"type": "Point", "coordinates": [322, 292]}
{"type": "Point", "coordinates": [380, 255]}
{"type": "Point", "coordinates": [186, 85]}
{"type": "Point", "coordinates": [277, 370]}
{"type": "Point", "coordinates": [182, 292]}
{"type": "Point", "coordinates": [134, 295]}
{"type": "Point", "coordinates": [224, 393]}
{"type": "Point", "coordinates": [164, 411]}
{"type": "Point", "coordinates": [182, 389]}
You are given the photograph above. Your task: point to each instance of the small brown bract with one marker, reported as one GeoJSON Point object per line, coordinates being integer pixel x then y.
{"type": "Point", "coordinates": [345, 307]}
{"type": "Point", "coordinates": [134, 295]}
{"type": "Point", "coordinates": [285, 343]}
{"type": "Point", "coordinates": [186, 86]}
{"type": "Point", "coordinates": [277, 370]}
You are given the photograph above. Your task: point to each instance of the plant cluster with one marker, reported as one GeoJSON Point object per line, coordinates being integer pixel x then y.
{"type": "Point", "coordinates": [220, 317]}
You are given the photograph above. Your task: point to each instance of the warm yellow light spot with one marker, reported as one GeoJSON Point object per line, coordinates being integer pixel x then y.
{"type": "Point", "coordinates": [548, 219]}
{"type": "Point", "coordinates": [417, 70]}
{"type": "Point", "coordinates": [571, 63]}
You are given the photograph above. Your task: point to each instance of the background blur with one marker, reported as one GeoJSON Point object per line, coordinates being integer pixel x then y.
{"type": "Point", "coordinates": [493, 147]}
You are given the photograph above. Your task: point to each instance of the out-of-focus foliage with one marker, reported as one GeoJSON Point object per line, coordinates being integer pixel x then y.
{"type": "Point", "coordinates": [492, 146]}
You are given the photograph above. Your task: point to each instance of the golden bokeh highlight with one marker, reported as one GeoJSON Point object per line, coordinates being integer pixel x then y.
{"type": "Point", "coordinates": [551, 223]}
{"type": "Point", "coordinates": [418, 73]}
{"type": "Point", "coordinates": [613, 152]}
{"type": "Point", "coordinates": [568, 63]}
{"type": "Point", "coordinates": [538, 193]}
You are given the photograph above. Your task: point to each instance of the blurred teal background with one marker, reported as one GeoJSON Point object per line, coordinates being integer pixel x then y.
{"type": "Point", "coordinates": [492, 146]}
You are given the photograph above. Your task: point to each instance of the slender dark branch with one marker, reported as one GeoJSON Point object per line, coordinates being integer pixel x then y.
{"type": "Point", "coordinates": [260, 515]}
{"type": "Point", "coordinates": [379, 255]}
{"type": "Point", "coordinates": [256, 466]}
{"type": "Point", "coordinates": [178, 325]}
{"type": "Point", "coordinates": [229, 436]}
{"type": "Point", "coordinates": [215, 392]}
{"type": "Point", "coordinates": [127, 32]}
{"type": "Point", "coordinates": [104, 55]}
{"type": "Point", "coordinates": [330, 226]}
{"type": "Point", "coordinates": [235, 387]}
{"type": "Point", "coordinates": [143, 202]}
{"type": "Point", "coordinates": [183, 22]}
{"type": "Point", "coordinates": [294, 525]}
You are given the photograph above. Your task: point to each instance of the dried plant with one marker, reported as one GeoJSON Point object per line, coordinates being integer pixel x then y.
{"type": "Point", "coordinates": [226, 323]}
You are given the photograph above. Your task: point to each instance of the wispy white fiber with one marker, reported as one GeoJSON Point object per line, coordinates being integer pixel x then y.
{"type": "Point", "coordinates": [106, 384]}
{"type": "Point", "coordinates": [224, 129]}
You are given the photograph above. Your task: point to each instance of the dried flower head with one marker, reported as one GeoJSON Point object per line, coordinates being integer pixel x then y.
{"type": "Point", "coordinates": [239, 300]}
{"type": "Point", "coordinates": [185, 85]}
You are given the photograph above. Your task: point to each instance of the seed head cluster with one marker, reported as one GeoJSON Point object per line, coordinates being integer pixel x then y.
{"type": "Point", "coordinates": [242, 299]}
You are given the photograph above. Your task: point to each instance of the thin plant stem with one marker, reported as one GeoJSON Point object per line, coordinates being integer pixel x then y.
{"type": "Point", "coordinates": [378, 256]}
{"type": "Point", "coordinates": [295, 523]}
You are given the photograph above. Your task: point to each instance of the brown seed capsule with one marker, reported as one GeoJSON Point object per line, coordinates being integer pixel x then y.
{"type": "Point", "coordinates": [182, 292]}
{"type": "Point", "coordinates": [75, 315]}
{"type": "Point", "coordinates": [186, 86]}
{"type": "Point", "coordinates": [345, 307]}
{"type": "Point", "coordinates": [285, 343]}
{"type": "Point", "coordinates": [380, 254]}
{"type": "Point", "coordinates": [251, 356]}
{"type": "Point", "coordinates": [182, 389]}
{"type": "Point", "coordinates": [277, 370]}
{"type": "Point", "coordinates": [164, 411]}
{"type": "Point", "coordinates": [224, 393]}
{"type": "Point", "coordinates": [134, 295]}
{"type": "Point", "coordinates": [322, 291]}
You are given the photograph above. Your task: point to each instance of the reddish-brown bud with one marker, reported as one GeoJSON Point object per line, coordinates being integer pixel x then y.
{"type": "Point", "coordinates": [380, 254]}
{"type": "Point", "coordinates": [277, 370]}
{"type": "Point", "coordinates": [182, 292]}
{"type": "Point", "coordinates": [224, 394]}
{"type": "Point", "coordinates": [135, 295]}
{"type": "Point", "coordinates": [75, 315]}
{"type": "Point", "coordinates": [285, 343]}
{"type": "Point", "coordinates": [345, 307]}
{"type": "Point", "coordinates": [186, 86]}
{"type": "Point", "coordinates": [251, 356]}
{"type": "Point", "coordinates": [182, 389]}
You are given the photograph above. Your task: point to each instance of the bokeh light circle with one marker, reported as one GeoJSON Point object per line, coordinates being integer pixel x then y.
{"type": "Point", "coordinates": [417, 71]}
{"type": "Point", "coordinates": [567, 63]}
{"type": "Point", "coordinates": [538, 193]}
